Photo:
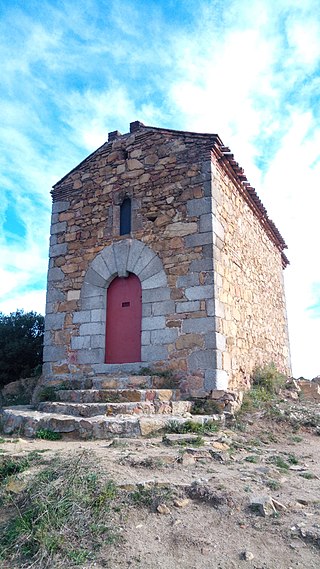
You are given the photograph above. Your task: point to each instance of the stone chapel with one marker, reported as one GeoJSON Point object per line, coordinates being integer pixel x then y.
{"type": "Point", "coordinates": [163, 256]}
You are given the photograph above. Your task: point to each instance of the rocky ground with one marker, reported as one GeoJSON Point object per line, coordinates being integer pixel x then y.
{"type": "Point", "coordinates": [245, 496]}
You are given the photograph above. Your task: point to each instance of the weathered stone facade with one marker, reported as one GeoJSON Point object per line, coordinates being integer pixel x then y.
{"type": "Point", "coordinates": [208, 258]}
{"type": "Point", "coordinates": [249, 286]}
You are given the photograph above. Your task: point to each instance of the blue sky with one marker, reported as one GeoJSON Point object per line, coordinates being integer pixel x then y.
{"type": "Point", "coordinates": [248, 70]}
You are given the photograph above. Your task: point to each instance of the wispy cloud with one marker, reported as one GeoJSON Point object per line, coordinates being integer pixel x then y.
{"type": "Point", "coordinates": [247, 69]}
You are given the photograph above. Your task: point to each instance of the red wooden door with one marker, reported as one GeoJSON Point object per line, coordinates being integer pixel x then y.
{"type": "Point", "coordinates": [123, 329]}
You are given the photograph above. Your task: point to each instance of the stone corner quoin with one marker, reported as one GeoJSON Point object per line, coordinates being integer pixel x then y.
{"type": "Point", "coordinates": [207, 256]}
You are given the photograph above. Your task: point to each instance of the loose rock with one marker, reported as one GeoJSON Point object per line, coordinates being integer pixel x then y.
{"type": "Point", "coordinates": [220, 446]}
{"type": "Point", "coordinates": [248, 556]}
{"type": "Point", "coordinates": [188, 459]}
{"type": "Point", "coordinates": [181, 502]}
{"type": "Point", "coordinates": [163, 509]}
{"type": "Point", "coordinates": [278, 506]}
{"type": "Point", "coordinates": [263, 504]}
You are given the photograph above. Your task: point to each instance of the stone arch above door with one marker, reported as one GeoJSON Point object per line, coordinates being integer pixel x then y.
{"type": "Point", "coordinates": [120, 259]}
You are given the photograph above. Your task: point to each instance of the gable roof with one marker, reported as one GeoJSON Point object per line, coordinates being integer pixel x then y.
{"type": "Point", "coordinates": [225, 158]}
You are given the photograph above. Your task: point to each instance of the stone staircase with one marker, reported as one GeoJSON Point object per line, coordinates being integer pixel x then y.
{"type": "Point", "coordinates": [103, 407]}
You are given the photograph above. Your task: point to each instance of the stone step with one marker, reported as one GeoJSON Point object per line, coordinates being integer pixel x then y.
{"type": "Point", "coordinates": [132, 368]}
{"type": "Point", "coordinates": [24, 421]}
{"type": "Point", "coordinates": [116, 395]}
{"type": "Point", "coordinates": [125, 408]}
{"type": "Point", "coordinates": [120, 381]}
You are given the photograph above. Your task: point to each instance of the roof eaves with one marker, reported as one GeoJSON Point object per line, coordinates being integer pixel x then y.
{"type": "Point", "coordinates": [84, 161]}
{"type": "Point", "coordinates": [235, 171]}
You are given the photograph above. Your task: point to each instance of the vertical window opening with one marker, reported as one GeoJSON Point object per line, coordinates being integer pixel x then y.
{"type": "Point", "coordinates": [125, 217]}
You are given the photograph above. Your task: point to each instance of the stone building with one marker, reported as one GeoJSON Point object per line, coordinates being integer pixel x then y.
{"type": "Point", "coordinates": [162, 255]}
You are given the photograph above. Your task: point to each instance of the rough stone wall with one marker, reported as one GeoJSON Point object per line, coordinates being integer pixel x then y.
{"type": "Point", "coordinates": [249, 291]}
{"type": "Point", "coordinates": [212, 291]}
{"type": "Point", "coordinates": [168, 178]}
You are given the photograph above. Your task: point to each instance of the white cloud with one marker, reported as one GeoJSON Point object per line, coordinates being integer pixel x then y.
{"type": "Point", "coordinates": [30, 301]}
{"type": "Point", "coordinates": [304, 36]}
{"type": "Point", "coordinates": [90, 115]}
{"type": "Point", "coordinates": [244, 69]}
{"type": "Point", "coordinates": [290, 188]}
{"type": "Point", "coordinates": [249, 85]}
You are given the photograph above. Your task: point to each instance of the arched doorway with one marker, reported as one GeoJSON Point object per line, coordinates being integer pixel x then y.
{"type": "Point", "coordinates": [123, 326]}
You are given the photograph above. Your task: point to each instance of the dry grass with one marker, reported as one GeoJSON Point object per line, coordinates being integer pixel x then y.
{"type": "Point", "coordinates": [62, 517]}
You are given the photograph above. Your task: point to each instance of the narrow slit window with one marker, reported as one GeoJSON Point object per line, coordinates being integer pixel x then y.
{"type": "Point", "coordinates": [125, 217]}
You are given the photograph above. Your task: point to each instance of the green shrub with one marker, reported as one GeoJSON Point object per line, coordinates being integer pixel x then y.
{"type": "Point", "coordinates": [195, 441]}
{"type": "Point", "coordinates": [273, 484]}
{"type": "Point", "coordinates": [205, 407]}
{"type": "Point", "coordinates": [266, 384]}
{"type": "Point", "coordinates": [296, 439]}
{"type": "Point", "coordinates": [10, 466]}
{"type": "Point", "coordinates": [279, 462]}
{"type": "Point", "coordinates": [192, 427]}
{"type": "Point", "coordinates": [252, 458]}
{"type": "Point", "coordinates": [21, 345]}
{"type": "Point", "coordinates": [268, 379]}
{"type": "Point", "coordinates": [308, 475]}
{"type": "Point", "coordinates": [48, 435]}
{"type": "Point", "coordinates": [293, 459]}
{"type": "Point", "coordinates": [150, 496]}
{"type": "Point", "coordinates": [48, 393]}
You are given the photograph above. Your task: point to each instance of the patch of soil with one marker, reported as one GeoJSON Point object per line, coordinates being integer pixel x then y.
{"type": "Point", "coordinates": [215, 526]}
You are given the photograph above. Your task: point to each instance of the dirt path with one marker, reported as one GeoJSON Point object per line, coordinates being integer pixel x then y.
{"type": "Point", "coordinates": [217, 527]}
